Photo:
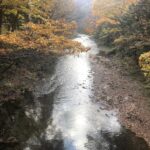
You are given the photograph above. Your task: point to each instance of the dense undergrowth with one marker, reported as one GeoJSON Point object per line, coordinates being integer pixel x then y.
{"type": "Point", "coordinates": [129, 34]}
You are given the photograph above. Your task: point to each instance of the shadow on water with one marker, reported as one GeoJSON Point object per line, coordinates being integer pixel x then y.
{"type": "Point", "coordinates": [126, 140]}
{"type": "Point", "coordinates": [61, 114]}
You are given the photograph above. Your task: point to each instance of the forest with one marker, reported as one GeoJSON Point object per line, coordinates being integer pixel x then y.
{"type": "Point", "coordinates": [127, 32]}
{"type": "Point", "coordinates": [30, 25]}
{"type": "Point", "coordinates": [63, 62]}
{"type": "Point", "coordinates": [123, 25]}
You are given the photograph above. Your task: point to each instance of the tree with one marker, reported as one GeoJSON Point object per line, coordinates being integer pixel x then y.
{"type": "Point", "coordinates": [62, 9]}
{"type": "Point", "coordinates": [13, 12]}
{"type": "Point", "coordinates": [1, 16]}
{"type": "Point", "coordinates": [110, 8]}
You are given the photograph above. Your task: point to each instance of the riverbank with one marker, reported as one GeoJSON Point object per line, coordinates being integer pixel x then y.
{"type": "Point", "coordinates": [19, 76]}
{"type": "Point", "coordinates": [20, 73]}
{"type": "Point", "coordinates": [121, 91]}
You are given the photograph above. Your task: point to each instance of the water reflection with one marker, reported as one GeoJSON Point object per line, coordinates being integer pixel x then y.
{"type": "Point", "coordinates": [74, 113]}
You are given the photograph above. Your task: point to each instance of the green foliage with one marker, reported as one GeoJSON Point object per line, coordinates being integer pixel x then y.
{"type": "Point", "coordinates": [106, 33]}
{"type": "Point", "coordinates": [130, 35]}
{"type": "Point", "coordinates": [13, 13]}
{"type": "Point", "coordinates": [37, 26]}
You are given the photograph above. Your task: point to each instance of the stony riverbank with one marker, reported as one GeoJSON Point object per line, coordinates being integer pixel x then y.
{"type": "Point", "coordinates": [124, 93]}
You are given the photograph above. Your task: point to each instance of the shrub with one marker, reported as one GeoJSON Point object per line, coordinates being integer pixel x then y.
{"type": "Point", "coordinates": [144, 62]}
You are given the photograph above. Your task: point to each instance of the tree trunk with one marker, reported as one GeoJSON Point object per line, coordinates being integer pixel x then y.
{"type": "Point", "coordinates": [1, 17]}
{"type": "Point", "coordinates": [15, 23]}
{"type": "Point", "coordinates": [1, 21]}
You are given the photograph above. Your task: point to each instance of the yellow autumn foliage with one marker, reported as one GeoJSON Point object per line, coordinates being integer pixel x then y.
{"type": "Point", "coordinates": [144, 62]}
{"type": "Point", "coordinates": [52, 36]}
{"type": "Point", "coordinates": [102, 20]}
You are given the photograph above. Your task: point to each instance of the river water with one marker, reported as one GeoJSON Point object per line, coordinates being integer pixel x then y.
{"type": "Point", "coordinates": [66, 114]}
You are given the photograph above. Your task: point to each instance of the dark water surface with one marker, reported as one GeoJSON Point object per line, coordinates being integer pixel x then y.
{"type": "Point", "coordinates": [64, 116]}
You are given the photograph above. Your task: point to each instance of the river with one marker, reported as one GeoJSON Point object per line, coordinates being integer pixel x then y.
{"type": "Point", "coordinates": [67, 116]}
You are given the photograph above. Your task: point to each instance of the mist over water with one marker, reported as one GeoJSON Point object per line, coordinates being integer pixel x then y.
{"type": "Point", "coordinates": [82, 12]}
